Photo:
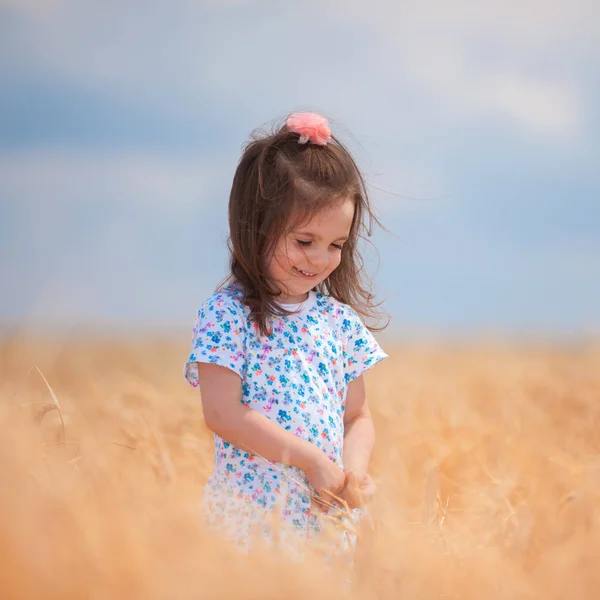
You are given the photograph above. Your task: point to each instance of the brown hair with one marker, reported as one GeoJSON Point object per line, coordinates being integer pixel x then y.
{"type": "Point", "coordinates": [280, 183]}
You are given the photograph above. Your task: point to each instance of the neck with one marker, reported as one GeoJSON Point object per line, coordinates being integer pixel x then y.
{"type": "Point", "coordinates": [284, 299]}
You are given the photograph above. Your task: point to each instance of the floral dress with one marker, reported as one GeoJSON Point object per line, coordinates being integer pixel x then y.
{"type": "Point", "coordinates": [298, 377]}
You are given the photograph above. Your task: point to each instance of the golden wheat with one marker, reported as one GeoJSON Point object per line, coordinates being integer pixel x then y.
{"type": "Point", "coordinates": [487, 464]}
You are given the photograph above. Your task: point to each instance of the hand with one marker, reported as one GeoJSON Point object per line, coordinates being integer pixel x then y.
{"type": "Point", "coordinates": [325, 476]}
{"type": "Point", "coordinates": [358, 490]}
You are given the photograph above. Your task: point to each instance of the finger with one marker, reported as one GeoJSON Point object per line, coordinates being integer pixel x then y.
{"type": "Point", "coordinates": [328, 494]}
{"type": "Point", "coordinates": [353, 497]}
{"type": "Point", "coordinates": [319, 503]}
{"type": "Point", "coordinates": [370, 488]}
{"type": "Point", "coordinates": [353, 484]}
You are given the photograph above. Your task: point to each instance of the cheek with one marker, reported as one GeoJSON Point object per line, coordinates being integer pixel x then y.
{"type": "Point", "coordinates": [282, 260]}
{"type": "Point", "coordinates": [335, 261]}
{"type": "Point", "coordinates": [289, 256]}
{"type": "Point", "coordinates": [295, 255]}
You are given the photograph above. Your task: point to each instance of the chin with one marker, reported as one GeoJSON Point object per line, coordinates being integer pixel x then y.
{"type": "Point", "coordinates": [300, 290]}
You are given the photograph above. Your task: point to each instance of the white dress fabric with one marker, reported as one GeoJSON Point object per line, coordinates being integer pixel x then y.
{"type": "Point", "coordinates": [298, 377]}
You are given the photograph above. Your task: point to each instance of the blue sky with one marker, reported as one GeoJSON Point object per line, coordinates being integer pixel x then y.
{"type": "Point", "coordinates": [477, 126]}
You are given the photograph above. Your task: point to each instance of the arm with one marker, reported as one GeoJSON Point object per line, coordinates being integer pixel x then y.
{"type": "Point", "coordinates": [359, 439]}
{"type": "Point", "coordinates": [245, 428]}
{"type": "Point", "coordinates": [359, 432]}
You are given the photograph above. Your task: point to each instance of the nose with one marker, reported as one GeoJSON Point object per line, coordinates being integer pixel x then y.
{"type": "Point", "coordinates": [318, 260]}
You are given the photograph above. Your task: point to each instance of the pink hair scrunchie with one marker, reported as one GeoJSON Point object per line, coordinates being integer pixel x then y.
{"type": "Point", "coordinates": [311, 128]}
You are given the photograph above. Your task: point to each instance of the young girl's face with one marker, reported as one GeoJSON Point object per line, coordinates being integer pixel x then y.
{"type": "Point", "coordinates": [308, 254]}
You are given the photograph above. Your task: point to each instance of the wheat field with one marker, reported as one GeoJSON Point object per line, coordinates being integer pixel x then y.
{"type": "Point", "coordinates": [487, 464]}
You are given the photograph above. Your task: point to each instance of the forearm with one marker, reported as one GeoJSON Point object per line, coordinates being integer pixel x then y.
{"type": "Point", "coordinates": [359, 439]}
{"type": "Point", "coordinates": [251, 431]}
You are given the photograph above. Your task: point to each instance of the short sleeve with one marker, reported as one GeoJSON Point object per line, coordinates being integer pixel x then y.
{"type": "Point", "coordinates": [217, 337]}
{"type": "Point", "coordinates": [361, 349]}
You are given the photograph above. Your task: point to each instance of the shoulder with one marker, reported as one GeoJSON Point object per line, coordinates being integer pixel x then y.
{"type": "Point", "coordinates": [330, 305]}
{"type": "Point", "coordinates": [361, 351]}
{"type": "Point", "coordinates": [218, 334]}
{"type": "Point", "coordinates": [345, 317]}
{"type": "Point", "coordinates": [222, 311]}
{"type": "Point", "coordinates": [222, 302]}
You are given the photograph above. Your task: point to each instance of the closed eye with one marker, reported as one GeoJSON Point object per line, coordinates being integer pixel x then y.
{"type": "Point", "coordinates": [305, 243]}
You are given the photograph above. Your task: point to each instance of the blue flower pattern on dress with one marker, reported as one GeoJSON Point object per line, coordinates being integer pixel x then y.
{"type": "Point", "coordinates": [298, 377]}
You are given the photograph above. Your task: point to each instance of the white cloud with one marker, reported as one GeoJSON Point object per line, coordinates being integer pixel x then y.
{"type": "Point", "coordinates": [29, 7]}
{"type": "Point", "coordinates": [96, 235]}
{"type": "Point", "coordinates": [547, 108]}
{"type": "Point", "coordinates": [167, 184]}
{"type": "Point", "coordinates": [493, 60]}
{"type": "Point", "coordinates": [496, 60]}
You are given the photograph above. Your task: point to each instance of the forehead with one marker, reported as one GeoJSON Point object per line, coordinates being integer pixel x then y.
{"type": "Point", "coordinates": [336, 219]}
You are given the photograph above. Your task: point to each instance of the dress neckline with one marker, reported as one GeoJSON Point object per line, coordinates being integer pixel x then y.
{"type": "Point", "coordinates": [300, 307]}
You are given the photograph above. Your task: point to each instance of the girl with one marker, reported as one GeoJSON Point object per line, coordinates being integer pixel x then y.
{"type": "Point", "coordinates": [280, 349]}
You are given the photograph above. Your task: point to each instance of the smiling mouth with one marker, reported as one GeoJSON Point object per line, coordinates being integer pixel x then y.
{"type": "Point", "coordinates": [305, 273]}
